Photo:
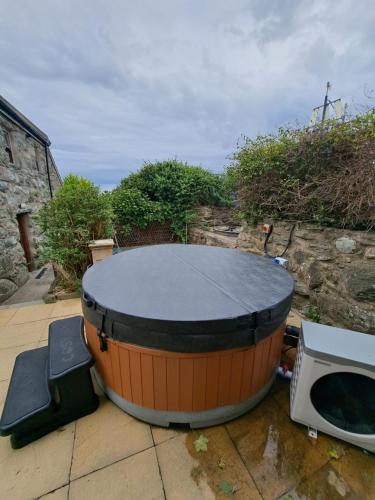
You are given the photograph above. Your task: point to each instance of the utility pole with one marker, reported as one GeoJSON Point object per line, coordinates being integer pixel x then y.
{"type": "Point", "coordinates": [338, 110]}
{"type": "Point", "coordinates": [325, 105]}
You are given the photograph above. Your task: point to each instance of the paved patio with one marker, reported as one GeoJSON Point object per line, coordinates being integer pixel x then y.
{"type": "Point", "coordinates": [110, 455]}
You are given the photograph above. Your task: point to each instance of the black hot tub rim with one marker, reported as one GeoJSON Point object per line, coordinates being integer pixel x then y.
{"type": "Point", "coordinates": [247, 296]}
{"type": "Point", "coordinates": [186, 336]}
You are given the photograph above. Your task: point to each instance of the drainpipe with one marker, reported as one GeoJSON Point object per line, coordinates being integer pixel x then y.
{"type": "Point", "coordinates": [48, 172]}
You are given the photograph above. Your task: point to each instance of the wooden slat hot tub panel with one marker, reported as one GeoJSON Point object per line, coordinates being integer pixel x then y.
{"type": "Point", "coordinates": [266, 361]}
{"type": "Point", "coordinates": [247, 374]}
{"type": "Point", "coordinates": [147, 380]}
{"type": "Point", "coordinates": [236, 377]}
{"type": "Point", "coordinates": [172, 381]}
{"type": "Point", "coordinates": [173, 384]}
{"type": "Point", "coordinates": [102, 359]}
{"type": "Point", "coordinates": [136, 376]}
{"type": "Point", "coordinates": [279, 340]}
{"type": "Point", "coordinates": [224, 379]}
{"type": "Point", "coordinates": [199, 384]}
{"type": "Point", "coordinates": [275, 351]}
{"type": "Point", "coordinates": [113, 352]}
{"type": "Point", "coordinates": [186, 367]}
{"type": "Point", "coordinates": [160, 382]}
{"type": "Point", "coordinates": [257, 378]}
{"type": "Point", "coordinates": [212, 381]}
{"type": "Point", "coordinates": [125, 373]}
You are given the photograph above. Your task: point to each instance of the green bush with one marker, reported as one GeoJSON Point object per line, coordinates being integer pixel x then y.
{"type": "Point", "coordinates": [323, 175]}
{"type": "Point", "coordinates": [133, 208]}
{"type": "Point", "coordinates": [76, 215]}
{"type": "Point", "coordinates": [167, 191]}
{"type": "Point", "coordinates": [312, 313]}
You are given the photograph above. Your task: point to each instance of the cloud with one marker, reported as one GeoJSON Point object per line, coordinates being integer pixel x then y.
{"type": "Point", "coordinates": [116, 83]}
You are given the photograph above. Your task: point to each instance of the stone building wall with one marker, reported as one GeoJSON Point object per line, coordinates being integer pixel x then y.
{"type": "Point", "coordinates": [23, 189]}
{"type": "Point", "coordinates": [334, 269]}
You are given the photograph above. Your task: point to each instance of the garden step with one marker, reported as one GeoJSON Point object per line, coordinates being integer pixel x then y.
{"type": "Point", "coordinates": [69, 369]}
{"type": "Point", "coordinates": [50, 386]}
{"type": "Point", "coordinates": [67, 348]}
{"type": "Point", "coordinates": [28, 393]}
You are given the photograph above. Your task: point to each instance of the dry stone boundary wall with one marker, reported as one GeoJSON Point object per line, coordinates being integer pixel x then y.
{"type": "Point", "coordinates": [334, 269]}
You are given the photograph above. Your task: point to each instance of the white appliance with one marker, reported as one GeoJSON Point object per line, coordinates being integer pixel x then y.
{"type": "Point", "coordinates": [333, 384]}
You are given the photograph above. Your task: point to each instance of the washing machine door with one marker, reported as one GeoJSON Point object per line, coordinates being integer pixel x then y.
{"type": "Point", "coordinates": [346, 400]}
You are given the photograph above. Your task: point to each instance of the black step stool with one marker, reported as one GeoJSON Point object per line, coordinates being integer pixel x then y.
{"type": "Point", "coordinates": [50, 386]}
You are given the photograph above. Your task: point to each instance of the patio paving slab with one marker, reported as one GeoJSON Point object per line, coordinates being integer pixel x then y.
{"type": "Point", "coordinates": [8, 356]}
{"type": "Point", "coordinates": [180, 472]}
{"type": "Point", "coordinates": [18, 335]}
{"type": "Point", "coordinates": [66, 308]}
{"type": "Point", "coordinates": [44, 335]}
{"type": "Point", "coordinates": [280, 393]}
{"type": "Point", "coordinates": [106, 436]}
{"type": "Point", "coordinates": [358, 469]}
{"type": "Point", "coordinates": [324, 484]}
{"type": "Point", "coordinates": [6, 315]}
{"type": "Point", "coordinates": [161, 434]}
{"type": "Point", "coordinates": [60, 494]}
{"type": "Point", "coordinates": [38, 468]}
{"type": "Point", "coordinates": [275, 451]}
{"type": "Point", "coordinates": [188, 474]}
{"type": "Point", "coordinates": [3, 392]}
{"type": "Point", "coordinates": [109, 454]}
{"type": "Point", "coordinates": [325, 444]}
{"type": "Point", "coordinates": [136, 477]}
{"type": "Point", "coordinates": [31, 313]}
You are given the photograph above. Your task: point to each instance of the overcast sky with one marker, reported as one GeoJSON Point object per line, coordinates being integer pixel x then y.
{"type": "Point", "coordinates": [115, 83]}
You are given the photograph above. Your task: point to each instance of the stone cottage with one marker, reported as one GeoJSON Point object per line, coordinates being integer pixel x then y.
{"type": "Point", "coordinates": [28, 178]}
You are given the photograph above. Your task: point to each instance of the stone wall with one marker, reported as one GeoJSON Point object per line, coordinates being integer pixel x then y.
{"type": "Point", "coordinates": [23, 189]}
{"type": "Point", "coordinates": [334, 269]}
{"type": "Point", "coordinates": [215, 216]}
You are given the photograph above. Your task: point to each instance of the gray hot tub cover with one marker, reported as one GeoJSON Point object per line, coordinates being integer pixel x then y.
{"type": "Point", "coordinates": [186, 298]}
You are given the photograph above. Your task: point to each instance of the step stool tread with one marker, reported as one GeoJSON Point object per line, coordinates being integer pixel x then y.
{"type": "Point", "coordinates": [28, 392]}
{"type": "Point", "coordinates": [67, 347]}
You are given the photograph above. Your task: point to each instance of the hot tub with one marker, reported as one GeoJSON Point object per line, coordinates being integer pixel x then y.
{"type": "Point", "coordinates": [186, 333]}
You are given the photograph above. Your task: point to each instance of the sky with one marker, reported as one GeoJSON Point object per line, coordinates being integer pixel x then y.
{"type": "Point", "coordinates": [117, 83]}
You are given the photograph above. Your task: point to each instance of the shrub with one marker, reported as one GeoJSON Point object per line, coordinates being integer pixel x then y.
{"type": "Point", "coordinates": [167, 191]}
{"type": "Point", "coordinates": [76, 215]}
{"type": "Point", "coordinates": [133, 208]}
{"type": "Point", "coordinates": [324, 175]}
{"type": "Point", "coordinates": [312, 313]}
